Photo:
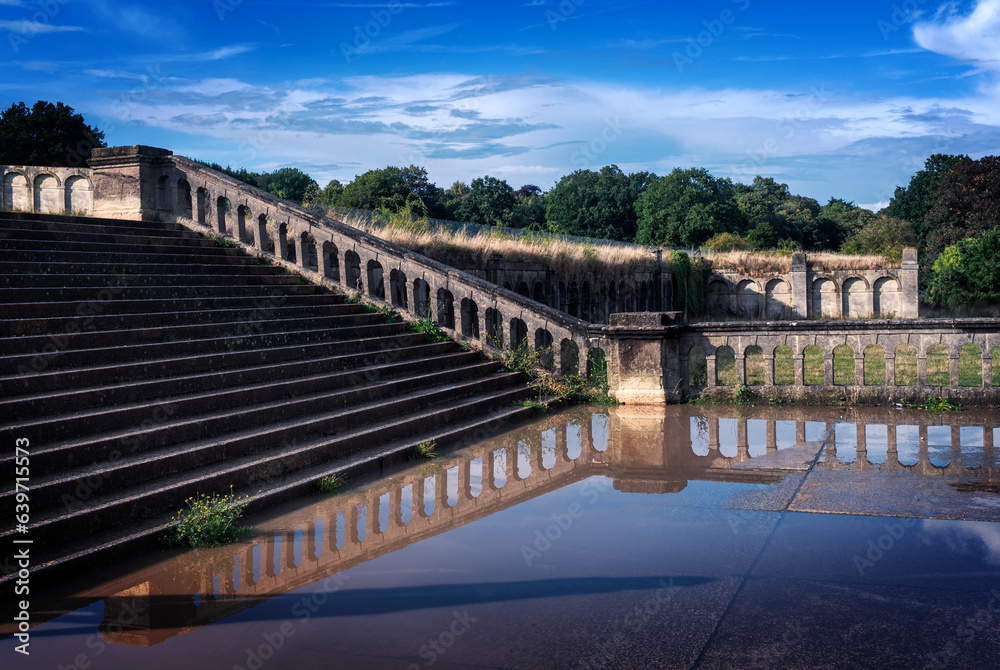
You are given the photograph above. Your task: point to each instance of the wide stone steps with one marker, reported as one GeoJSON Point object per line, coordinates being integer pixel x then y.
{"type": "Point", "coordinates": [147, 364]}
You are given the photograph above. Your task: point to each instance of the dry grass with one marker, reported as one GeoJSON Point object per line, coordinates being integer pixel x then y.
{"type": "Point", "coordinates": [558, 254]}
{"type": "Point", "coordinates": [778, 262]}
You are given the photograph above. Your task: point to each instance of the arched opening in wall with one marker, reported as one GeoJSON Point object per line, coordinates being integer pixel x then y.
{"type": "Point", "coordinates": [668, 299]}
{"type": "Point", "coordinates": [597, 367]}
{"type": "Point", "coordinates": [518, 334]}
{"type": "Point", "coordinates": [286, 251]}
{"type": "Point", "coordinates": [717, 297]}
{"type": "Point", "coordinates": [697, 367]}
{"type": "Point", "coordinates": [164, 202]}
{"type": "Point", "coordinates": [886, 298]}
{"type": "Point", "coordinates": [600, 302]}
{"type": "Point", "coordinates": [522, 289]}
{"type": "Point", "coordinates": [221, 210]}
{"type": "Point", "coordinates": [397, 289]}
{"type": "Point", "coordinates": [754, 370]}
{"type": "Point", "coordinates": [538, 294]}
{"type": "Point", "coordinates": [574, 299]}
{"type": "Point", "coordinates": [569, 356]}
{"type": "Point", "coordinates": [904, 365]}
{"type": "Point", "coordinates": [507, 285]}
{"type": "Point", "coordinates": [875, 367]}
{"type": "Point", "coordinates": [352, 267]}
{"type": "Point", "coordinates": [202, 206]}
{"type": "Point", "coordinates": [242, 214]}
{"type": "Point", "coordinates": [622, 305]}
{"type": "Point", "coordinates": [445, 309]}
{"type": "Point", "coordinates": [778, 300]}
{"type": "Point", "coordinates": [79, 196]}
{"type": "Point", "coordinates": [784, 365]}
{"type": "Point", "coordinates": [938, 366]}
{"type": "Point", "coordinates": [376, 283]}
{"type": "Point", "coordinates": [307, 248]}
{"type": "Point", "coordinates": [643, 296]}
{"type": "Point", "coordinates": [543, 347]}
{"type": "Point", "coordinates": [970, 365]}
{"type": "Point", "coordinates": [725, 367]}
{"type": "Point", "coordinates": [854, 299]}
{"type": "Point", "coordinates": [843, 366]}
{"type": "Point", "coordinates": [824, 299]}
{"type": "Point", "coordinates": [421, 299]}
{"type": "Point", "coordinates": [585, 307]}
{"type": "Point", "coordinates": [748, 300]}
{"type": "Point", "coordinates": [266, 243]}
{"type": "Point", "coordinates": [49, 197]}
{"type": "Point", "coordinates": [184, 198]}
{"type": "Point", "coordinates": [470, 318]}
{"type": "Point", "coordinates": [813, 366]}
{"type": "Point", "coordinates": [612, 300]}
{"type": "Point", "coordinates": [331, 261]}
{"type": "Point", "coordinates": [15, 192]}
{"type": "Point", "coordinates": [494, 328]}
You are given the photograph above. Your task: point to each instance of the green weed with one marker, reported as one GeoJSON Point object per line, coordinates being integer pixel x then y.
{"type": "Point", "coordinates": [209, 521]}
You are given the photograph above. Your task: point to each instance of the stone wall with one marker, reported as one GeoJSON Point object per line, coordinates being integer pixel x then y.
{"type": "Point", "coordinates": [47, 190]}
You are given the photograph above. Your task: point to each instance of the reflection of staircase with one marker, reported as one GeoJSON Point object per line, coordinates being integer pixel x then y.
{"type": "Point", "coordinates": [146, 365]}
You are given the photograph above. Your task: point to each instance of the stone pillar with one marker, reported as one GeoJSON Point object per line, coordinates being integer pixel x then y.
{"type": "Point", "coordinates": [799, 278]}
{"type": "Point", "coordinates": [396, 506]}
{"type": "Point", "coordinates": [890, 369]}
{"type": "Point", "coordinates": [828, 369]}
{"type": "Point", "coordinates": [862, 431]}
{"type": "Point", "coordinates": [909, 298]}
{"type": "Point", "coordinates": [987, 369]}
{"type": "Point", "coordinates": [921, 369]}
{"type": "Point", "coordinates": [261, 236]}
{"type": "Point", "coordinates": [953, 364]}
{"type": "Point", "coordinates": [859, 370]}
{"type": "Point", "coordinates": [741, 368]}
{"type": "Point", "coordinates": [798, 363]}
{"type": "Point", "coordinates": [769, 370]}
{"type": "Point", "coordinates": [710, 374]}
{"type": "Point", "coordinates": [772, 435]}
{"type": "Point", "coordinates": [644, 357]}
{"type": "Point", "coordinates": [892, 453]}
{"type": "Point", "coordinates": [126, 180]}
{"type": "Point", "coordinates": [989, 456]}
{"type": "Point", "coordinates": [742, 442]}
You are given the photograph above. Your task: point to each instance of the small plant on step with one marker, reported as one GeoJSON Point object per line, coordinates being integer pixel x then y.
{"type": "Point", "coordinates": [209, 521]}
{"type": "Point", "coordinates": [426, 450]}
{"type": "Point", "coordinates": [429, 328]}
{"type": "Point", "coordinates": [535, 406]}
{"type": "Point", "coordinates": [332, 483]}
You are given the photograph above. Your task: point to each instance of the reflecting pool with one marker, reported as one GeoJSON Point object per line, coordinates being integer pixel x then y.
{"type": "Point", "coordinates": [690, 537]}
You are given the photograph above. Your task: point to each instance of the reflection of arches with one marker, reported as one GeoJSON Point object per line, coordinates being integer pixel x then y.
{"type": "Point", "coordinates": [397, 288]}
{"type": "Point", "coordinates": [824, 299]}
{"type": "Point", "coordinates": [875, 367]}
{"type": "Point", "coordinates": [331, 261]}
{"type": "Point", "coordinates": [938, 366]}
{"type": "Point", "coordinates": [854, 294]}
{"type": "Point", "coordinates": [15, 192]}
{"type": "Point", "coordinates": [886, 297]}
{"type": "Point", "coordinates": [202, 206]}
{"type": "Point", "coordinates": [470, 318]}
{"type": "Point", "coordinates": [376, 283]}
{"type": "Point", "coordinates": [543, 346]}
{"type": "Point", "coordinates": [597, 367]}
{"type": "Point", "coordinates": [352, 267]}
{"type": "Point", "coordinates": [79, 196]}
{"type": "Point", "coordinates": [697, 367]}
{"type": "Point", "coordinates": [725, 367]}
{"type": "Point", "coordinates": [784, 366]}
{"type": "Point", "coordinates": [754, 372]}
{"type": "Point", "coordinates": [905, 365]}
{"type": "Point", "coordinates": [494, 328]}
{"type": "Point", "coordinates": [538, 294]}
{"type": "Point", "coordinates": [778, 300]}
{"type": "Point", "coordinates": [844, 373]}
{"type": "Point", "coordinates": [445, 309]}
{"type": "Point", "coordinates": [184, 198]}
{"type": "Point", "coordinates": [814, 366]}
{"type": "Point", "coordinates": [717, 297]}
{"type": "Point", "coordinates": [518, 333]}
{"type": "Point", "coordinates": [421, 298]}
{"type": "Point", "coordinates": [748, 300]}
{"type": "Point", "coordinates": [164, 202]}
{"type": "Point", "coordinates": [569, 356]}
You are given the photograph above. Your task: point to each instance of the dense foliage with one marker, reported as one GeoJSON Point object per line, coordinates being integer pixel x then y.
{"type": "Point", "coordinates": [46, 134]}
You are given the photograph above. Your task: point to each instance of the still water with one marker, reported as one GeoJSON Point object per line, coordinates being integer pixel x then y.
{"type": "Point", "coordinates": [690, 537]}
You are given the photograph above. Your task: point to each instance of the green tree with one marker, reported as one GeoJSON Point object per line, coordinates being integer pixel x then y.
{"type": "Point", "coordinates": [388, 189]}
{"type": "Point", "coordinates": [47, 134]}
{"type": "Point", "coordinates": [687, 207]}
{"type": "Point", "coordinates": [288, 183]}
{"type": "Point", "coordinates": [966, 203]}
{"type": "Point", "coordinates": [529, 212]}
{"type": "Point", "coordinates": [885, 235]}
{"type": "Point", "coordinates": [597, 204]}
{"type": "Point", "coordinates": [915, 201]}
{"type": "Point", "coordinates": [968, 271]}
{"type": "Point", "coordinates": [490, 201]}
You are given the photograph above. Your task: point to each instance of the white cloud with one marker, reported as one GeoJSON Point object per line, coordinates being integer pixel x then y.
{"type": "Point", "coordinates": [30, 28]}
{"type": "Point", "coordinates": [974, 38]}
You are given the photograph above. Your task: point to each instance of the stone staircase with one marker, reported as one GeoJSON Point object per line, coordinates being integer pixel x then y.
{"type": "Point", "coordinates": [146, 364]}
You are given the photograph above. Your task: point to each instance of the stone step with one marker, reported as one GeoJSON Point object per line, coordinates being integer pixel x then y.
{"type": "Point", "coordinates": [165, 293]}
{"type": "Point", "coordinates": [12, 266]}
{"type": "Point", "coordinates": [13, 218]}
{"type": "Point", "coordinates": [106, 304]}
{"type": "Point", "coordinates": [49, 280]}
{"type": "Point", "coordinates": [113, 227]}
{"type": "Point", "coordinates": [31, 238]}
{"type": "Point", "coordinates": [166, 245]}
{"type": "Point", "coordinates": [210, 257]}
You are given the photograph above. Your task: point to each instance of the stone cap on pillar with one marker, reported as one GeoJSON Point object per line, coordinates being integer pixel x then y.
{"type": "Point", "coordinates": [130, 150]}
{"type": "Point", "coordinates": [647, 319]}
{"type": "Point", "coordinates": [798, 262]}
{"type": "Point", "coordinates": [909, 256]}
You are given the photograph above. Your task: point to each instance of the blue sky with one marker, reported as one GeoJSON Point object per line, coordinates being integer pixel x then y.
{"type": "Point", "coordinates": [841, 99]}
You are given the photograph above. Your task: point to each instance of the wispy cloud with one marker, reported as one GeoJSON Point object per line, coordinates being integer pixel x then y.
{"type": "Point", "coordinates": [974, 38]}
{"type": "Point", "coordinates": [28, 28]}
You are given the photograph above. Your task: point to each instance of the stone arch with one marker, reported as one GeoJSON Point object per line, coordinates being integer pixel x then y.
{"type": "Point", "coordinates": [600, 303]}
{"type": "Point", "coordinates": [597, 367]}
{"type": "Point", "coordinates": [643, 296]}
{"type": "Point", "coordinates": [855, 298]}
{"type": "Point", "coordinates": [518, 333]}
{"type": "Point", "coordinates": [754, 370]}
{"type": "Point", "coordinates": [202, 197]}
{"type": "Point", "coordinates": [717, 297]}
{"type": "Point", "coordinates": [725, 367]}
{"type": "Point", "coordinates": [569, 357]}
{"type": "Point", "coordinates": [421, 298]}
{"type": "Point", "coordinates": [184, 207]}
{"type": "Point", "coordinates": [612, 299]}
{"type": "Point", "coordinates": [49, 196]}
{"type": "Point", "coordinates": [904, 366]}
{"type": "Point", "coordinates": [938, 366]}
{"type": "Point", "coordinates": [586, 312]}
{"type": "Point", "coordinates": [563, 305]}
{"type": "Point", "coordinates": [397, 289]}
{"type": "Point", "coordinates": [824, 299]}
{"type": "Point", "coordinates": [445, 309]}
{"type": "Point", "coordinates": [748, 299]}
{"type": "Point", "coordinates": [164, 201]}
{"type": "Point", "coordinates": [352, 268]}
{"type": "Point", "coordinates": [538, 293]}
{"type": "Point", "coordinates": [470, 318]}
{"type": "Point", "coordinates": [221, 209]}
{"type": "Point", "coordinates": [574, 299]}
{"type": "Point", "coordinates": [777, 300]}
{"type": "Point", "coordinates": [522, 289]}
{"type": "Point", "coordinates": [307, 247]}
{"type": "Point", "coordinates": [543, 347]}
{"type": "Point", "coordinates": [886, 298]}
{"type": "Point", "coordinates": [376, 282]}
{"type": "Point", "coordinates": [16, 194]}
{"type": "Point", "coordinates": [875, 366]}
{"type": "Point", "coordinates": [286, 251]}
{"type": "Point", "coordinates": [494, 328]}
{"type": "Point", "coordinates": [507, 285]}
{"type": "Point", "coordinates": [79, 195]}
{"type": "Point", "coordinates": [970, 365]}
{"type": "Point", "coordinates": [697, 366]}
{"type": "Point", "coordinates": [813, 366]}
{"type": "Point", "coordinates": [622, 292]}
{"type": "Point", "coordinates": [265, 238]}
{"type": "Point", "coordinates": [784, 365]}
{"type": "Point", "coordinates": [844, 372]}
{"type": "Point", "coordinates": [331, 261]}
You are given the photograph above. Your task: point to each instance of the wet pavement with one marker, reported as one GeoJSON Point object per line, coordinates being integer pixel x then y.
{"type": "Point", "coordinates": [691, 537]}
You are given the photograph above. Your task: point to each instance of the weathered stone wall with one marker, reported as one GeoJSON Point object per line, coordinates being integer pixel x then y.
{"type": "Point", "coordinates": [47, 190]}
